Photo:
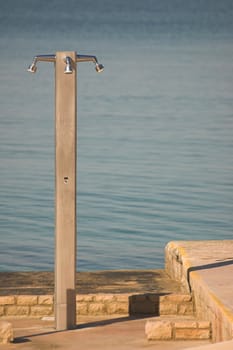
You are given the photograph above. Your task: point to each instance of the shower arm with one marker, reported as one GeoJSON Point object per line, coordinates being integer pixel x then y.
{"type": "Point", "coordinates": [86, 58]}
{"type": "Point", "coordinates": [45, 58]}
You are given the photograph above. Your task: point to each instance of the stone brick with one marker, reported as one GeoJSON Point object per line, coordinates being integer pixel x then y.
{"type": "Point", "coordinates": [167, 308]}
{"type": "Point", "coordinates": [176, 298]}
{"type": "Point", "coordinates": [45, 300]}
{"type": "Point", "coordinates": [203, 324]}
{"type": "Point", "coordinates": [6, 332]}
{"type": "Point", "coordinates": [104, 298]}
{"type": "Point", "coordinates": [145, 307]}
{"type": "Point", "coordinates": [185, 324]}
{"type": "Point", "coordinates": [122, 298]}
{"type": "Point", "coordinates": [158, 330]}
{"type": "Point", "coordinates": [84, 297]}
{"type": "Point", "coordinates": [191, 334]}
{"type": "Point", "coordinates": [16, 310]}
{"type": "Point", "coordinates": [7, 300]}
{"type": "Point", "coordinates": [96, 309]}
{"type": "Point", "coordinates": [26, 300]}
{"type": "Point", "coordinates": [117, 308]}
{"type": "Point", "coordinates": [154, 298]}
{"type": "Point", "coordinates": [138, 298]}
{"type": "Point", "coordinates": [185, 309]}
{"type": "Point", "coordinates": [2, 311]}
{"type": "Point", "coordinates": [82, 308]}
{"type": "Point", "coordinates": [41, 311]}
{"type": "Point", "coordinates": [80, 297]}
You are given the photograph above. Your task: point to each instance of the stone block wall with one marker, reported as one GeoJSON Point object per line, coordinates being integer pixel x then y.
{"type": "Point", "coordinates": [99, 304]}
{"type": "Point", "coordinates": [26, 305]}
{"type": "Point", "coordinates": [102, 304]}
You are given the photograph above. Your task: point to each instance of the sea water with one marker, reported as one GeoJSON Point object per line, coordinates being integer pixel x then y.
{"type": "Point", "coordinates": [155, 130]}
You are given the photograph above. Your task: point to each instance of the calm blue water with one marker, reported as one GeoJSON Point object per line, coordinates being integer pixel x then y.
{"type": "Point", "coordinates": [155, 133]}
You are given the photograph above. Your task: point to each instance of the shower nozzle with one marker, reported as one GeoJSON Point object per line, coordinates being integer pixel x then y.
{"type": "Point", "coordinates": [99, 67]}
{"type": "Point", "coordinates": [32, 68]}
{"type": "Point", "coordinates": [68, 61]}
{"type": "Point", "coordinates": [44, 58]}
{"type": "Point", "coordinates": [68, 68]}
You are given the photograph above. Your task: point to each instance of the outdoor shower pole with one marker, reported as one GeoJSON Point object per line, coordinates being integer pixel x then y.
{"type": "Point", "coordinates": [65, 180]}
{"type": "Point", "coordinates": [65, 191]}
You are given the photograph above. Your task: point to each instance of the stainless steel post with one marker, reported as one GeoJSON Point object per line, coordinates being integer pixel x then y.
{"type": "Point", "coordinates": [65, 191]}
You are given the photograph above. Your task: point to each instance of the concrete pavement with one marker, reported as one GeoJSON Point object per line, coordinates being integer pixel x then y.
{"type": "Point", "coordinates": [228, 345]}
{"type": "Point", "coordinates": [92, 334]}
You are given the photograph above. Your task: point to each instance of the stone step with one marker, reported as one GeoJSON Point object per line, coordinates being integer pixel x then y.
{"type": "Point", "coordinates": [165, 328]}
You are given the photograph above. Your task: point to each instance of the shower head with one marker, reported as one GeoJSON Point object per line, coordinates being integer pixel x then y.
{"type": "Point", "coordinates": [32, 68]}
{"type": "Point", "coordinates": [84, 58]}
{"type": "Point", "coordinates": [68, 68]}
{"type": "Point", "coordinates": [68, 61]}
{"type": "Point", "coordinates": [44, 58]}
{"type": "Point", "coordinates": [99, 67]}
